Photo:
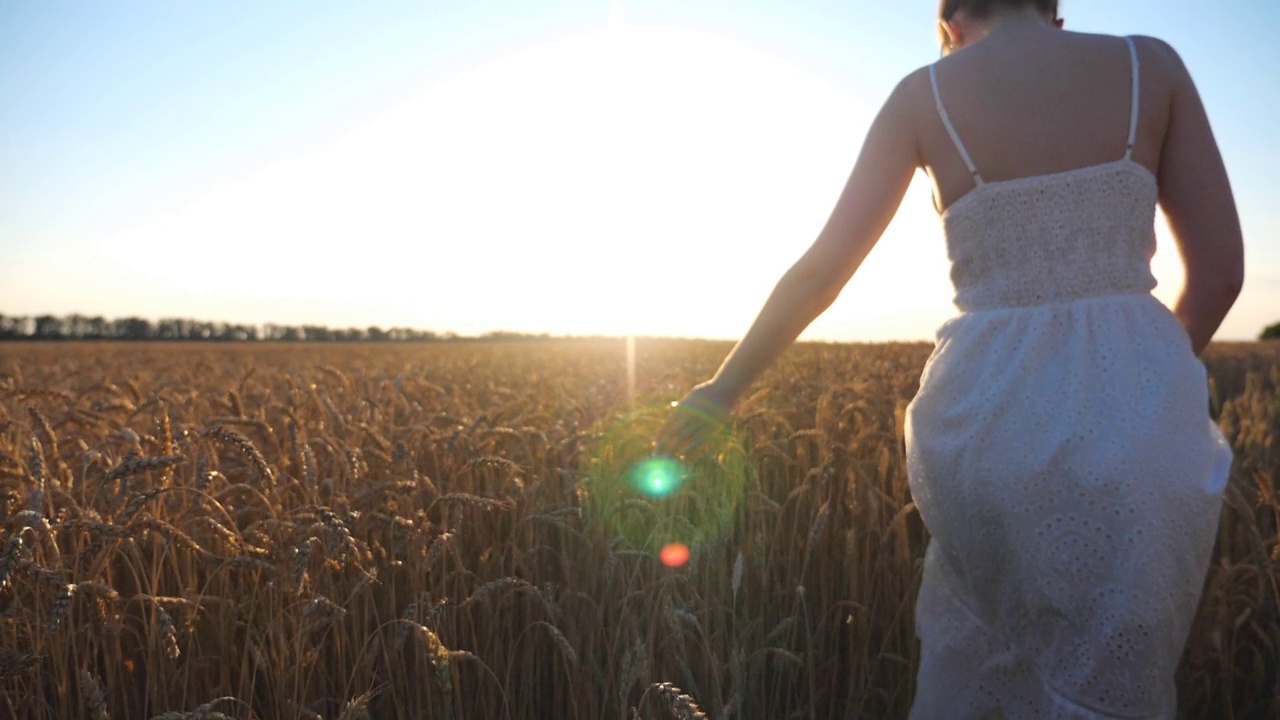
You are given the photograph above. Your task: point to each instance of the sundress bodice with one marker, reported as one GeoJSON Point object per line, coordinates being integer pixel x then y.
{"type": "Point", "coordinates": [1068, 236]}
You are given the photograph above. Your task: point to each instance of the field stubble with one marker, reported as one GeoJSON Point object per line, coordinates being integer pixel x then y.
{"type": "Point", "coordinates": [299, 532]}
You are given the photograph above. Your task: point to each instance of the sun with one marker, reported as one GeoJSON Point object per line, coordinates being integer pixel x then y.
{"type": "Point", "coordinates": [653, 173]}
{"type": "Point", "coordinates": [632, 180]}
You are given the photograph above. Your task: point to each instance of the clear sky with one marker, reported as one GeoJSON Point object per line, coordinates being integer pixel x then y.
{"type": "Point", "coordinates": [562, 166]}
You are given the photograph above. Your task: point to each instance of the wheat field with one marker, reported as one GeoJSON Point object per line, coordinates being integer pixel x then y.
{"type": "Point", "coordinates": [437, 531]}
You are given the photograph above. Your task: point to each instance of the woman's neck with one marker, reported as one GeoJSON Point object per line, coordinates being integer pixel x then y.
{"type": "Point", "coordinates": [1010, 20]}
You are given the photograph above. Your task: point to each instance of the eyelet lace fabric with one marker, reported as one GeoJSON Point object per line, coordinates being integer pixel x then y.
{"type": "Point", "coordinates": [1080, 234]}
{"type": "Point", "coordinates": [1061, 454]}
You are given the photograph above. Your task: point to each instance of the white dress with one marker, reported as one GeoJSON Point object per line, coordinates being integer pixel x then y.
{"type": "Point", "coordinates": [1061, 454]}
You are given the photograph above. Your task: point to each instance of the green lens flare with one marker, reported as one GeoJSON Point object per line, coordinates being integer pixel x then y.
{"type": "Point", "coordinates": [657, 477]}
{"type": "Point", "coordinates": [654, 502]}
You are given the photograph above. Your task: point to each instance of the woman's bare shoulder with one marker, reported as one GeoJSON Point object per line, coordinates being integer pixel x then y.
{"type": "Point", "coordinates": [913, 81]}
{"type": "Point", "coordinates": [913, 92]}
{"type": "Point", "coordinates": [1151, 50]}
{"type": "Point", "coordinates": [1159, 57]}
{"type": "Point", "coordinates": [1160, 48]}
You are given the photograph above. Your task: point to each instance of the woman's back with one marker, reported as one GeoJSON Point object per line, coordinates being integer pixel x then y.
{"type": "Point", "coordinates": [1081, 230]}
{"type": "Point", "coordinates": [1036, 101]}
{"type": "Point", "coordinates": [1026, 99]}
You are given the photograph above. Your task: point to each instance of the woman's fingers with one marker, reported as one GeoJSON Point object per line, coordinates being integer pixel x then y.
{"type": "Point", "coordinates": [693, 419]}
{"type": "Point", "coordinates": [672, 437]}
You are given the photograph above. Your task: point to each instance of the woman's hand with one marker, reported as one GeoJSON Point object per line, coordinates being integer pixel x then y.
{"type": "Point", "coordinates": [703, 411]}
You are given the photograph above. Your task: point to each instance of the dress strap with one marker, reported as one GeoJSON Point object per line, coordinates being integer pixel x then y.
{"type": "Point", "coordinates": [1133, 108]}
{"type": "Point", "coordinates": [951, 130]}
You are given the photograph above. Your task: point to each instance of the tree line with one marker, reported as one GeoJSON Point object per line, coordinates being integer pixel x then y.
{"type": "Point", "coordinates": [83, 327]}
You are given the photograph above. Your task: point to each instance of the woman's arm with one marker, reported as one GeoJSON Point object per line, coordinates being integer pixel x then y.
{"type": "Point", "coordinates": [870, 198]}
{"type": "Point", "coordinates": [1196, 197]}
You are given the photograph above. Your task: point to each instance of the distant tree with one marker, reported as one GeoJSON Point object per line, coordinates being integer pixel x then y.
{"type": "Point", "coordinates": [231, 333]}
{"type": "Point", "coordinates": [9, 327]}
{"type": "Point", "coordinates": [316, 333]}
{"type": "Point", "coordinates": [75, 326]}
{"type": "Point", "coordinates": [133, 328]}
{"type": "Point", "coordinates": [169, 329]}
{"type": "Point", "coordinates": [201, 330]}
{"type": "Point", "coordinates": [49, 327]}
{"type": "Point", "coordinates": [285, 333]}
{"type": "Point", "coordinates": [1271, 332]}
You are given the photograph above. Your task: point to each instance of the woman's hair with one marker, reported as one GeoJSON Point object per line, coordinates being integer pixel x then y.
{"type": "Point", "coordinates": [981, 9]}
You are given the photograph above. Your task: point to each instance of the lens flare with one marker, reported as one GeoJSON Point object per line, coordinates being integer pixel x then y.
{"type": "Point", "coordinates": [660, 503]}
{"type": "Point", "coordinates": [657, 477]}
{"type": "Point", "coordinates": [674, 555]}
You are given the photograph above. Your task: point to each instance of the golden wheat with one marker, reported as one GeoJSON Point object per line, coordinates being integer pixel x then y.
{"type": "Point", "coordinates": [300, 532]}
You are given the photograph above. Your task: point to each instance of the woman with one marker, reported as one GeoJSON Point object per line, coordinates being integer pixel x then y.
{"type": "Point", "coordinates": [1059, 449]}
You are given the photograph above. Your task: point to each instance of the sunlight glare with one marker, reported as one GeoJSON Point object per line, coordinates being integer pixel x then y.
{"type": "Point", "coordinates": [629, 181]}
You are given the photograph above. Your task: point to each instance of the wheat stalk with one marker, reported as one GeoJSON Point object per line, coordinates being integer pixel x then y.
{"type": "Point", "coordinates": [12, 556]}
{"type": "Point", "coordinates": [95, 700]}
{"type": "Point", "coordinates": [61, 606]}
{"type": "Point", "coordinates": [246, 448]}
{"type": "Point", "coordinates": [14, 663]}
{"type": "Point", "coordinates": [682, 706]}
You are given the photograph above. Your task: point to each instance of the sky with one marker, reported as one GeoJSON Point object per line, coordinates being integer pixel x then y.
{"type": "Point", "coordinates": [646, 167]}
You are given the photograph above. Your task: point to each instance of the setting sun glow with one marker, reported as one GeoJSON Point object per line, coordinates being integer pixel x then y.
{"type": "Point", "coordinates": [560, 168]}
{"type": "Point", "coordinates": [633, 180]}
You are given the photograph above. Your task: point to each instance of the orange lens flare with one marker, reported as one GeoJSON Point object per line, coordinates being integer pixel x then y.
{"type": "Point", "coordinates": [674, 555]}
